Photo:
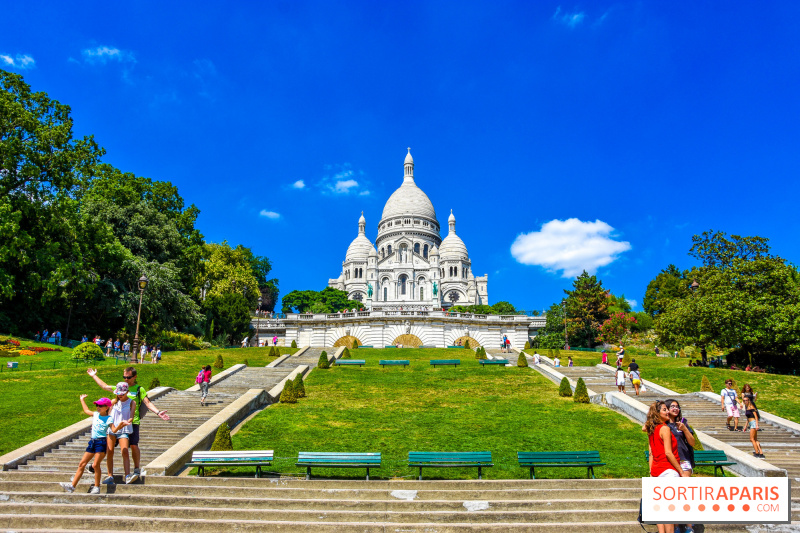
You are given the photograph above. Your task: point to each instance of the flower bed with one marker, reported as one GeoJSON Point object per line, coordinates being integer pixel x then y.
{"type": "Point", "coordinates": [27, 352]}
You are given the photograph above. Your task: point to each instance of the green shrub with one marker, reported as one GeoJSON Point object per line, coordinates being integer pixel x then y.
{"type": "Point", "coordinates": [705, 385]}
{"type": "Point", "coordinates": [154, 383]}
{"type": "Point", "coordinates": [288, 394]}
{"type": "Point", "coordinates": [323, 361]}
{"type": "Point", "coordinates": [294, 344]}
{"type": "Point", "coordinates": [218, 362]}
{"type": "Point", "coordinates": [346, 353]}
{"type": "Point", "coordinates": [88, 351]}
{"type": "Point", "coordinates": [466, 345]}
{"type": "Point", "coordinates": [581, 394]}
{"type": "Point", "coordinates": [171, 341]}
{"type": "Point", "coordinates": [479, 353]}
{"type": "Point", "coordinates": [556, 352]}
{"type": "Point", "coordinates": [550, 353]}
{"type": "Point", "coordinates": [355, 343]}
{"type": "Point", "coordinates": [299, 386]}
{"type": "Point", "coordinates": [222, 441]}
{"type": "Point", "coordinates": [564, 389]}
{"type": "Point", "coordinates": [527, 345]}
{"type": "Point", "coordinates": [522, 361]}
{"type": "Point", "coordinates": [246, 363]}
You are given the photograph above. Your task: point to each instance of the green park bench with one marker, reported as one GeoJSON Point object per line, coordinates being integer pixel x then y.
{"type": "Point", "coordinates": [715, 458]}
{"type": "Point", "coordinates": [485, 362]}
{"type": "Point", "coordinates": [338, 460]}
{"type": "Point", "coordinates": [257, 458]}
{"type": "Point", "coordinates": [445, 362]}
{"type": "Point", "coordinates": [351, 362]}
{"type": "Point", "coordinates": [587, 460]}
{"type": "Point", "coordinates": [477, 460]}
{"type": "Point", "coordinates": [394, 362]}
{"type": "Point", "coordinates": [364, 346]}
{"type": "Point", "coordinates": [13, 365]}
{"type": "Point", "coordinates": [390, 346]}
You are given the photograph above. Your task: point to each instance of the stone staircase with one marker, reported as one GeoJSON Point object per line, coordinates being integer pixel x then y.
{"type": "Point", "coordinates": [249, 378]}
{"type": "Point", "coordinates": [156, 435]}
{"type": "Point", "coordinates": [33, 501]}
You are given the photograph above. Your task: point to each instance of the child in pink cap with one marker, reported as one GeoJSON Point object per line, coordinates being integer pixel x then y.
{"type": "Point", "coordinates": [101, 421]}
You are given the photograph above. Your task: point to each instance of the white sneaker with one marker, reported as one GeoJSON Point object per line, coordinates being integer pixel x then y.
{"type": "Point", "coordinates": [137, 471]}
{"type": "Point", "coordinates": [131, 478]}
{"type": "Point", "coordinates": [67, 486]}
{"type": "Point", "coordinates": [109, 481]}
{"type": "Point", "coordinates": [94, 490]}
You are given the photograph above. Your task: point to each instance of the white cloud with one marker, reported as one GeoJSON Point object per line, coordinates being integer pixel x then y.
{"type": "Point", "coordinates": [21, 62]}
{"type": "Point", "coordinates": [364, 193]}
{"type": "Point", "coordinates": [344, 186]}
{"type": "Point", "coordinates": [570, 246]}
{"type": "Point", "coordinates": [299, 184]}
{"type": "Point", "coordinates": [632, 303]}
{"type": "Point", "coordinates": [567, 18]}
{"type": "Point", "coordinates": [104, 54]}
{"type": "Point", "coordinates": [272, 215]}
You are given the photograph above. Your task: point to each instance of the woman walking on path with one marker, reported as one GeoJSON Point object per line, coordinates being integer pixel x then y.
{"type": "Point", "coordinates": [747, 392]}
{"type": "Point", "coordinates": [605, 358]}
{"type": "Point", "coordinates": [203, 379]}
{"type": "Point", "coordinates": [751, 413]}
{"type": "Point", "coordinates": [662, 444]}
{"type": "Point", "coordinates": [620, 377]}
{"type": "Point", "coordinates": [109, 345]}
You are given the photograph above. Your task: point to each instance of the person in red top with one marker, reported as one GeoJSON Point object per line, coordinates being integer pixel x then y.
{"type": "Point", "coordinates": [663, 449]}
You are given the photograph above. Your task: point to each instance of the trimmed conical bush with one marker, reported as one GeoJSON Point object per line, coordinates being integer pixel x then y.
{"type": "Point", "coordinates": [299, 386]}
{"type": "Point", "coordinates": [346, 353]}
{"type": "Point", "coordinates": [218, 362]}
{"type": "Point", "coordinates": [294, 344]}
{"type": "Point", "coordinates": [323, 361]}
{"type": "Point", "coordinates": [466, 345]}
{"type": "Point", "coordinates": [222, 441]}
{"type": "Point", "coordinates": [154, 383]}
{"type": "Point", "coordinates": [564, 389]}
{"type": "Point", "coordinates": [355, 344]}
{"type": "Point", "coordinates": [522, 361]}
{"type": "Point", "coordinates": [527, 345]}
{"type": "Point", "coordinates": [705, 385]}
{"type": "Point", "coordinates": [581, 394]}
{"type": "Point", "coordinates": [288, 394]}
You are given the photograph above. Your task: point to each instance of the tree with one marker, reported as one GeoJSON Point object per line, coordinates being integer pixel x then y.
{"type": "Point", "coordinates": [587, 309]}
{"type": "Point", "coordinates": [323, 361]}
{"type": "Point", "coordinates": [299, 386]}
{"type": "Point", "coordinates": [229, 270]}
{"type": "Point", "coordinates": [522, 361]}
{"type": "Point", "coordinates": [288, 394]}
{"type": "Point", "coordinates": [668, 285]}
{"type": "Point", "coordinates": [616, 327]}
{"type": "Point", "coordinates": [564, 388]}
{"type": "Point", "coordinates": [581, 393]}
{"type": "Point", "coordinates": [705, 385]}
{"type": "Point", "coordinates": [504, 308]}
{"type": "Point", "coordinates": [749, 304]}
{"type": "Point", "coordinates": [222, 440]}
{"type": "Point", "coordinates": [552, 335]}
{"type": "Point", "coordinates": [716, 251]}
{"type": "Point", "coordinates": [328, 300]}
{"type": "Point", "coordinates": [230, 314]}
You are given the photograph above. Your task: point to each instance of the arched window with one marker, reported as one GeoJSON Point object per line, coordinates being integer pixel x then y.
{"type": "Point", "coordinates": [389, 251]}
{"type": "Point", "coordinates": [425, 251]}
{"type": "Point", "coordinates": [416, 248]}
{"type": "Point", "coordinates": [403, 280]}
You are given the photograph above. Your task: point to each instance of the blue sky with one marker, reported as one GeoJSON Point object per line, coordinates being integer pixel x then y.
{"type": "Point", "coordinates": [563, 135]}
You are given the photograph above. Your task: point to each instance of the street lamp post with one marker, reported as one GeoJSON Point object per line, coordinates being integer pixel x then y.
{"type": "Point", "coordinates": [566, 339]}
{"type": "Point", "coordinates": [142, 285]}
{"type": "Point", "coordinates": [258, 322]}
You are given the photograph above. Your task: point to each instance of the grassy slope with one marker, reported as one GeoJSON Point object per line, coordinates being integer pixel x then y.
{"type": "Point", "coordinates": [395, 410]}
{"type": "Point", "coordinates": [777, 394]}
{"type": "Point", "coordinates": [36, 403]}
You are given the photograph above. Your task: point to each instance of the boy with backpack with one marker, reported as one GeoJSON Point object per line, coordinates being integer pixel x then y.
{"type": "Point", "coordinates": [101, 422]}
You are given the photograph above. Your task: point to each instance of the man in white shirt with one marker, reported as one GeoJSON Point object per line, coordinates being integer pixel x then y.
{"type": "Point", "coordinates": [244, 342]}
{"type": "Point", "coordinates": [536, 358]}
{"type": "Point", "coordinates": [730, 404]}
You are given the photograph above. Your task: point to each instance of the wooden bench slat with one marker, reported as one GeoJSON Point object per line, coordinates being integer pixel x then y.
{"type": "Point", "coordinates": [493, 361]}
{"type": "Point", "coordinates": [574, 459]}
{"type": "Point", "coordinates": [477, 460]}
{"type": "Point", "coordinates": [338, 460]}
{"type": "Point", "coordinates": [257, 458]}
{"type": "Point", "coordinates": [394, 362]}
{"type": "Point", "coordinates": [351, 362]}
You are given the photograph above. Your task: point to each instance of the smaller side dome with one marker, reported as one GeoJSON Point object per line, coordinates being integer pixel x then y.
{"type": "Point", "coordinates": [452, 217]}
{"type": "Point", "coordinates": [409, 160]}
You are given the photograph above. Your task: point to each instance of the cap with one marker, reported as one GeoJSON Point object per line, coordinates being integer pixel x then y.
{"type": "Point", "coordinates": [122, 388]}
{"type": "Point", "coordinates": [102, 401]}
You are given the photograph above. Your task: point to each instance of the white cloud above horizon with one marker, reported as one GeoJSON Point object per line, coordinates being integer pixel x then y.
{"type": "Point", "coordinates": [632, 303]}
{"type": "Point", "coordinates": [568, 19]}
{"type": "Point", "coordinates": [272, 215]}
{"type": "Point", "coordinates": [569, 247]}
{"type": "Point", "coordinates": [19, 61]}
{"type": "Point", "coordinates": [104, 54]}
{"type": "Point", "coordinates": [299, 184]}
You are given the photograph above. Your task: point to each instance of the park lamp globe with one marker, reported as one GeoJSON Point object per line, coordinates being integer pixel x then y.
{"type": "Point", "coordinates": [694, 286]}
{"type": "Point", "coordinates": [143, 281]}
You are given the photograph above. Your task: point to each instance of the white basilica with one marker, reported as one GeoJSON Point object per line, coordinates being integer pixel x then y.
{"type": "Point", "coordinates": [410, 266]}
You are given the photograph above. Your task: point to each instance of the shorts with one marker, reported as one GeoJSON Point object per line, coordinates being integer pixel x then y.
{"type": "Point", "coordinates": [97, 446]}
{"type": "Point", "coordinates": [133, 437]}
{"type": "Point", "coordinates": [636, 382]}
{"type": "Point", "coordinates": [686, 466]}
{"type": "Point", "coordinates": [733, 410]}
{"type": "Point", "coordinates": [620, 383]}
{"type": "Point", "coordinates": [669, 473]}
{"type": "Point", "coordinates": [752, 424]}
{"type": "Point", "coordinates": [118, 436]}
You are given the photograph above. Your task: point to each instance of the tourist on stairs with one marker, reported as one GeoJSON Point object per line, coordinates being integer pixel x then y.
{"type": "Point", "coordinates": [751, 413]}
{"type": "Point", "coordinates": [730, 404]}
{"type": "Point", "coordinates": [684, 436]}
{"type": "Point", "coordinates": [663, 446]}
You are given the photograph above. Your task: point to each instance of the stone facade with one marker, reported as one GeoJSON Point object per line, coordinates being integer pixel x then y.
{"type": "Point", "coordinates": [410, 267]}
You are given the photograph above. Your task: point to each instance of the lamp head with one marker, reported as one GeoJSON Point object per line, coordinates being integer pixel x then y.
{"type": "Point", "coordinates": [694, 286]}
{"type": "Point", "coordinates": [143, 281]}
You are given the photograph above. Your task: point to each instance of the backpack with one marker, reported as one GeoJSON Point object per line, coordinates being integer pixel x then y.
{"type": "Point", "coordinates": [200, 377]}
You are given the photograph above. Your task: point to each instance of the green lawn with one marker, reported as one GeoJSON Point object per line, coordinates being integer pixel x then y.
{"type": "Point", "coordinates": [36, 403]}
{"type": "Point", "coordinates": [469, 408]}
{"type": "Point", "coordinates": [778, 394]}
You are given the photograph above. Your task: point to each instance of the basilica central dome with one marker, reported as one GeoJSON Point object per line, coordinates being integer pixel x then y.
{"type": "Point", "coordinates": [409, 199]}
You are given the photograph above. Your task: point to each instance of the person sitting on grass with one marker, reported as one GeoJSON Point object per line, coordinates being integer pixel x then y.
{"type": "Point", "coordinates": [101, 421]}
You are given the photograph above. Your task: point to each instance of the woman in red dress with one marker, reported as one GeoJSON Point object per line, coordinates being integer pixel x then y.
{"type": "Point", "coordinates": [663, 449]}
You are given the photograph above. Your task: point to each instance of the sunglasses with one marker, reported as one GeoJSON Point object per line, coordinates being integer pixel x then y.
{"type": "Point", "coordinates": [128, 377]}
